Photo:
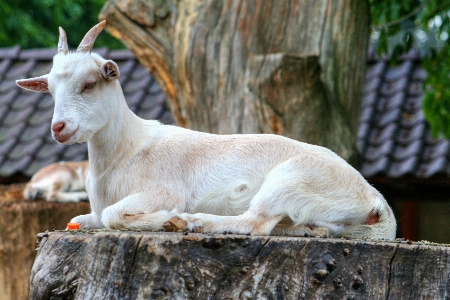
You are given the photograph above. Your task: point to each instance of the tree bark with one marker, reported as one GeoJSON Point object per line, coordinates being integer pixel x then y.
{"type": "Point", "coordinates": [294, 68]}
{"type": "Point", "coordinates": [20, 221]}
{"type": "Point", "coordinates": [138, 265]}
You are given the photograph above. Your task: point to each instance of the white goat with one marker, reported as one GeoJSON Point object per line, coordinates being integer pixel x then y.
{"type": "Point", "coordinates": [61, 182]}
{"type": "Point", "coordinates": [145, 175]}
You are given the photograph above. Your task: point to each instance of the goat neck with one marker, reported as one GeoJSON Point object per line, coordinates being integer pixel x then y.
{"type": "Point", "coordinates": [125, 129]}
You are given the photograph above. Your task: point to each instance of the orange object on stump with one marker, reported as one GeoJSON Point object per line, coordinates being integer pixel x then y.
{"type": "Point", "coordinates": [73, 226]}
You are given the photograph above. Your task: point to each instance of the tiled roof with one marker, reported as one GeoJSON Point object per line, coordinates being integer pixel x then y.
{"type": "Point", "coordinates": [26, 144]}
{"type": "Point", "coordinates": [393, 137]}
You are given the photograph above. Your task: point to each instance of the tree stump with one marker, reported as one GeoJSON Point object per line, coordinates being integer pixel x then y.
{"type": "Point", "coordinates": [158, 265]}
{"type": "Point", "coordinates": [20, 221]}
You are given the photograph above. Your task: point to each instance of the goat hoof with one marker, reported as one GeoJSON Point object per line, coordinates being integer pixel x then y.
{"type": "Point", "coordinates": [198, 229]}
{"type": "Point", "coordinates": [174, 224]}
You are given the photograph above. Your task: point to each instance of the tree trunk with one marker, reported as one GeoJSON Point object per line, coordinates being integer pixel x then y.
{"type": "Point", "coordinates": [294, 68]}
{"type": "Point", "coordinates": [135, 265]}
{"type": "Point", "coordinates": [20, 221]}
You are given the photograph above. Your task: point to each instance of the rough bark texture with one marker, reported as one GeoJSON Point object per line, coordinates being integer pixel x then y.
{"type": "Point", "coordinates": [294, 67]}
{"type": "Point", "coordinates": [20, 221]}
{"type": "Point", "coordinates": [138, 265]}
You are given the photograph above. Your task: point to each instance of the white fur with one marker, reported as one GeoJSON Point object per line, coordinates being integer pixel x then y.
{"type": "Point", "coordinates": [144, 173]}
{"type": "Point", "coordinates": [61, 182]}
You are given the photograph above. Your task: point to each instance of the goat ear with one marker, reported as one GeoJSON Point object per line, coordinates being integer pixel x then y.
{"type": "Point", "coordinates": [36, 84]}
{"type": "Point", "coordinates": [110, 70]}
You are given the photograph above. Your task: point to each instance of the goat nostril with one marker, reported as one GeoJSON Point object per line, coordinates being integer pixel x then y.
{"type": "Point", "coordinates": [58, 127]}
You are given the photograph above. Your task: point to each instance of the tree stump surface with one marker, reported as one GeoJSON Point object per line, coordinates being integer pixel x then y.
{"type": "Point", "coordinates": [20, 221]}
{"type": "Point", "coordinates": [159, 265]}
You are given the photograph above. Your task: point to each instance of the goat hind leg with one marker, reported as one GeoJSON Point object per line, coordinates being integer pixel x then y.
{"type": "Point", "coordinates": [301, 230]}
{"type": "Point", "coordinates": [248, 222]}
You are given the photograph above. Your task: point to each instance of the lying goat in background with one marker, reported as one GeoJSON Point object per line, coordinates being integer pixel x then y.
{"type": "Point", "coordinates": [61, 182]}
{"type": "Point", "coordinates": [145, 175]}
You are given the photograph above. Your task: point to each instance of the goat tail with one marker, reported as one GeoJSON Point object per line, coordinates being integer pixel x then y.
{"type": "Point", "coordinates": [380, 223]}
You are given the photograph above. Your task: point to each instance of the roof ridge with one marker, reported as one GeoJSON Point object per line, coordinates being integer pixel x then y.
{"type": "Point", "coordinates": [16, 52]}
{"type": "Point", "coordinates": [10, 52]}
{"type": "Point", "coordinates": [413, 54]}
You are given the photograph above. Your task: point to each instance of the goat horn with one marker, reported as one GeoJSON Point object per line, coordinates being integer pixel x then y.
{"type": "Point", "coordinates": [62, 44]}
{"type": "Point", "coordinates": [88, 41]}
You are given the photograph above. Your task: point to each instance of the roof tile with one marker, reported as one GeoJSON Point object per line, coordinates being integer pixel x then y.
{"type": "Point", "coordinates": [7, 85]}
{"type": "Point", "coordinates": [5, 65]}
{"type": "Point", "coordinates": [6, 146]}
{"type": "Point", "coordinates": [24, 149]}
{"type": "Point", "coordinates": [372, 168]}
{"type": "Point", "coordinates": [4, 110]}
{"type": "Point", "coordinates": [49, 149]}
{"type": "Point", "coordinates": [11, 167]}
{"type": "Point", "coordinates": [389, 103]}
{"type": "Point", "coordinates": [389, 88]}
{"type": "Point", "coordinates": [41, 68]}
{"type": "Point", "coordinates": [12, 132]}
{"type": "Point", "coordinates": [21, 70]}
{"type": "Point", "coordinates": [367, 114]}
{"type": "Point", "coordinates": [363, 131]}
{"type": "Point", "coordinates": [75, 151]}
{"type": "Point", "coordinates": [419, 74]}
{"type": "Point", "coordinates": [41, 117]}
{"type": "Point", "coordinates": [370, 99]}
{"type": "Point", "coordinates": [37, 164]}
{"type": "Point", "coordinates": [374, 152]}
{"type": "Point", "coordinates": [122, 55]}
{"type": "Point", "coordinates": [375, 70]}
{"type": "Point", "coordinates": [10, 53]}
{"type": "Point", "coordinates": [401, 168]}
{"type": "Point", "coordinates": [35, 133]}
{"type": "Point", "coordinates": [398, 72]}
{"type": "Point", "coordinates": [387, 117]}
{"type": "Point", "coordinates": [415, 88]}
{"type": "Point", "coordinates": [438, 149]}
{"type": "Point", "coordinates": [20, 102]}
{"type": "Point", "coordinates": [37, 54]}
{"type": "Point", "coordinates": [382, 134]}
{"type": "Point", "coordinates": [432, 167]}
{"type": "Point", "coordinates": [8, 96]}
{"type": "Point", "coordinates": [17, 117]}
{"type": "Point", "coordinates": [166, 118]}
{"type": "Point", "coordinates": [408, 135]}
{"type": "Point", "coordinates": [403, 152]}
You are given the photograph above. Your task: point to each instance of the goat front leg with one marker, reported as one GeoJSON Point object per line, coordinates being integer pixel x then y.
{"type": "Point", "coordinates": [142, 211]}
{"type": "Point", "coordinates": [89, 221]}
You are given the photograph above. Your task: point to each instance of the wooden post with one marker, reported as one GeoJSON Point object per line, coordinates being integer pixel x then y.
{"type": "Point", "coordinates": [146, 265]}
{"type": "Point", "coordinates": [409, 219]}
{"type": "Point", "coordinates": [20, 221]}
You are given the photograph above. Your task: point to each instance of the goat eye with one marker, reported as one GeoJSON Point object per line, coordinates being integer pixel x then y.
{"type": "Point", "coordinates": [89, 86]}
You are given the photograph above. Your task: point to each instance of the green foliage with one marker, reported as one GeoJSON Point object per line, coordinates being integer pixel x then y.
{"type": "Point", "coordinates": [385, 16]}
{"type": "Point", "coordinates": [400, 25]}
{"type": "Point", "coordinates": [436, 103]}
{"type": "Point", "coordinates": [34, 23]}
